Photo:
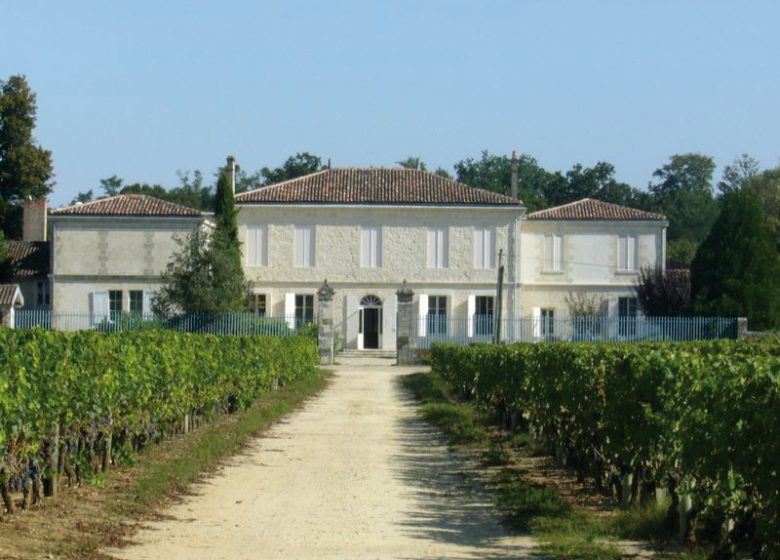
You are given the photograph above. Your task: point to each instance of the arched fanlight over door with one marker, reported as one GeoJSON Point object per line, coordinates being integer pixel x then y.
{"type": "Point", "coordinates": [371, 301]}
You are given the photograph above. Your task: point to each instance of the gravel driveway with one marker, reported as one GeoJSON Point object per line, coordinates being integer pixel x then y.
{"type": "Point", "coordinates": [355, 474]}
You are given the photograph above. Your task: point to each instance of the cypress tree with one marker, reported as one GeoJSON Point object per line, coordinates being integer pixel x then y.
{"type": "Point", "coordinates": [736, 271]}
{"type": "Point", "coordinates": [225, 208]}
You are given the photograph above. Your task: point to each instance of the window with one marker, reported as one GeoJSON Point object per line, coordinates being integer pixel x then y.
{"type": "Point", "coordinates": [627, 249]}
{"type": "Point", "coordinates": [553, 253]}
{"type": "Point", "coordinates": [484, 247]}
{"type": "Point", "coordinates": [483, 316]}
{"type": "Point", "coordinates": [304, 309]}
{"type": "Point", "coordinates": [258, 304]}
{"type": "Point", "coordinates": [437, 315]}
{"type": "Point", "coordinates": [438, 248]}
{"type": "Point", "coordinates": [137, 302]}
{"type": "Point", "coordinates": [257, 246]}
{"type": "Point", "coordinates": [548, 322]}
{"type": "Point", "coordinates": [371, 247]}
{"type": "Point", "coordinates": [115, 302]}
{"type": "Point", "coordinates": [42, 294]}
{"type": "Point", "coordinates": [304, 246]}
{"type": "Point", "coordinates": [627, 312]}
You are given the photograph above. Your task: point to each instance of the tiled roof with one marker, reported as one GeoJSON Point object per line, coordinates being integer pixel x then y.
{"type": "Point", "coordinates": [128, 205]}
{"type": "Point", "coordinates": [374, 186]}
{"type": "Point", "coordinates": [591, 209]}
{"type": "Point", "coordinates": [8, 294]}
{"type": "Point", "coordinates": [30, 258]}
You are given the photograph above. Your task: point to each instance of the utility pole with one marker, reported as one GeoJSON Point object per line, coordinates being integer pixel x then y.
{"type": "Point", "coordinates": [499, 298]}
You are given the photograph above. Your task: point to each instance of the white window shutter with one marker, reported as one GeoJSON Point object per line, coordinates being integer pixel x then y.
{"type": "Point", "coordinates": [423, 314]}
{"type": "Point", "coordinates": [537, 322]}
{"type": "Point", "coordinates": [298, 249]}
{"type": "Point", "coordinates": [444, 249]}
{"type": "Point", "coordinates": [631, 257]}
{"type": "Point", "coordinates": [98, 307]}
{"type": "Point", "coordinates": [256, 245]}
{"type": "Point", "coordinates": [479, 248]}
{"type": "Point", "coordinates": [365, 247]}
{"type": "Point", "coordinates": [147, 302]}
{"type": "Point", "coordinates": [623, 253]}
{"type": "Point", "coordinates": [431, 248]}
{"type": "Point", "coordinates": [557, 253]}
{"type": "Point", "coordinates": [490, 248]}
{"type": "Point", "coordinates": [471, 310]}
{"type": "Point", "coordinates": [378, 246]}
{"type": "Point", "coordinates": [310, 245]}
{"type": "Point", "coordinates": [548, 252]}
{"type": "Point", "coordinates": [289, 309]}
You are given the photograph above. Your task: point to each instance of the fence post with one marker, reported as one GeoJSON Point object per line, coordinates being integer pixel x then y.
{"type": "Point", "coordinates": [325, 323]}
{"type": "Point", "coordinates": [405, 353]}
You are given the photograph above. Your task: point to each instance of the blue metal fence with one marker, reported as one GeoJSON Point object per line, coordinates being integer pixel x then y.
{"type": "Point", "coordinates": [482, 328]}
{"type": "Point", "coordinates": [221, 323]}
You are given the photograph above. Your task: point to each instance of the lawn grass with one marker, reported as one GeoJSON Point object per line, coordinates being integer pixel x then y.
{"type": "Point", "coordinates": [564, 531]}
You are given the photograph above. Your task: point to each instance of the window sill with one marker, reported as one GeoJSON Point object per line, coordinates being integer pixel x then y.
{"type": "Point", "coordinates": [626, 272]}
{"type": "Point", "coordinates": [553, 272]}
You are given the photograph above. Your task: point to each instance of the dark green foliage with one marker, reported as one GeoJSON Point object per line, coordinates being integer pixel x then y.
{"type": "Point", "coordinates": [6, 266]}
{"type": "Point", "coordinates": [25, 167]}
{"type": "Point", "coordinates": [683, 192]}
{"type": "Point", "coordinates": [539, 189]}
{"type": "Point", "coordinates": [132, 386]}
{"type": "Point", "coordinates": [225, 208]}
{"type": "Point", "coordinates": [663, 293]}
{"type": "Point", "coordinates": [736, 271]}
{"type": "Point", "coordinates": [738, 173]}
{"type": "Point", "coordinates": [766, 186]}
{"type": "Point", "coordinates": [680, 253]}
{"type": "Point", "coordinates": [302, 163]}
{"type": "Point", "coordinates": [205, 276]}
{"type": "Point", "coordinates": [701, 414]}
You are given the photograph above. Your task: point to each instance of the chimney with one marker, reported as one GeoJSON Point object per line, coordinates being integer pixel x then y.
{"type": "Point", "coordinates": [231, 166]}
{"type": "Point", "coordinates": [34, 219]}
{"type": "Point", "coordinates": [514, 175]}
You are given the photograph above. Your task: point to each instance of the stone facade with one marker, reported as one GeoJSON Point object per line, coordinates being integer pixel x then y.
{"type": "Point", "coordinates": [97, 254]}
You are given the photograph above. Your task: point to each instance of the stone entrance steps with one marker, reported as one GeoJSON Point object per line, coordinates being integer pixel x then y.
{"type": "Point", "coordinates": [351, 353]}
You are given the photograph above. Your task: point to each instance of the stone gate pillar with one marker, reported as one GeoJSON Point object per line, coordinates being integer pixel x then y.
{"type": "Point", "coordinates": [325, 324]}
{"type": "Point", "coordinates": [405, 352]}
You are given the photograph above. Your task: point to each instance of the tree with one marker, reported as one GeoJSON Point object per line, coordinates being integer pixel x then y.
{"type": "Point", "coordinates": [6, 264]}
{"type": "Point", "coordinates": [302, 163]}
{"type": "Point", "coordinates": [111, 185]}
{"type": "Point", "coordinates": [662, 293]}
{"type": "Point", "coordinates": [736, 271]}
{"type": "Point", "coordinates": [413, 163]}
{"type": "Point", "coordinates": [198, 277]}
{"type": "Point", "coordinates": [25, 167]}
{"type": "Point", "coordinates": [766, 186]}
{"type": "Point", "coordinates": [225, 208]}
{"type": "Point", "coordinates": [683, 191]}
{"type": "Point", "coordinates": [581, 304]}
{"type": "Point", "coordinates": [494, 173]}
{"type": "Point", "coordinates": [83, 196]}
{"type": "Point", "coordinates": [735, 175]}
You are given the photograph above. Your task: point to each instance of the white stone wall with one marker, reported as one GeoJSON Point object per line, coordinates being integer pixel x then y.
{"type": "Point", "coordinates": [404, 257]}
{"type": "Point", "coordinates": [590, 261]}
{"type": "Point", "coordinates": [109, 253]}
{"type": "Point", "coordinates": [404, 249]}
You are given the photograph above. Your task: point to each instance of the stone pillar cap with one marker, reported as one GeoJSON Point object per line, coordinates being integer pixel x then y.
{"type": "Point", "coordinates": [325, 293]}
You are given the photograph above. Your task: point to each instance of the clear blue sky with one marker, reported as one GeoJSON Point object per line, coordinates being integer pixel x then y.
{"type": "Point", "coordinates": [143, 89]}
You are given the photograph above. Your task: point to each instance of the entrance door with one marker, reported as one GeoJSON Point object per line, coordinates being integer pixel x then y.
{"type": "Point", "coordinates": [370, 323]}
{"type": "Point", "coordinates": [371, 327]}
